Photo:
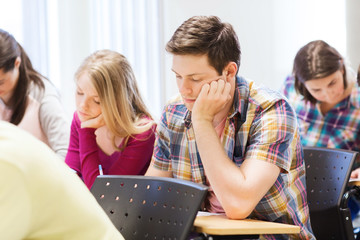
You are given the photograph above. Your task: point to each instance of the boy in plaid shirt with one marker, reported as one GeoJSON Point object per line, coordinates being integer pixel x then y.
{"type": "Point", "coordinates": [224, 131]}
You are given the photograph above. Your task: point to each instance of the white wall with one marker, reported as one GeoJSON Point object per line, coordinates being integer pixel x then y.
{"type": "Point", "coordinates": [11, 18]}
{"type": "Point", "coordinates": [353, 31]}
{"type": "Point", "coordinates": [74, 45]}
{"type": "Point", "coordinates": [270, 32]}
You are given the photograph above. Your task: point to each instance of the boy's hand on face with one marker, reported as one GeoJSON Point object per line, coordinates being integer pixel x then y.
{"type": "Point", "coordinates": [94, 122]}
{"type": "Point", "coordinates": [212, 99]}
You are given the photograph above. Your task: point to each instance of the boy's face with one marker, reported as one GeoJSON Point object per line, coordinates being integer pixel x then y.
{"type": "Point", "coordinates": [192, 72]}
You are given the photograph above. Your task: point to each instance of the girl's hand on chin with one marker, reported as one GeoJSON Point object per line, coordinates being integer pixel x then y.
{"type": "Point", "coordinates": [94, 122]}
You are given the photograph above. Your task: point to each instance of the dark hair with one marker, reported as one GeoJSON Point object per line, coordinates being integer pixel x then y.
{"type": "Point", "coordinates": [317, 59]}
{"type": "Point", "coordinates": [10, 49]}
{"type": "Point", "coordinates": [202, 35]}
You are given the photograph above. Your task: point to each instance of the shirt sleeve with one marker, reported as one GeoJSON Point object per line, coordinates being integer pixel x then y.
{"type": "Point", "coordinates": [89, 155]}
{"type": "Point", "coordinates": [274, 136]}
{"type": "Point", "coordinates": [53, 121]}
{"type": "Point", "coordinates": [73, 157]}
{"type": "Point", "coordinates": [161, 157]}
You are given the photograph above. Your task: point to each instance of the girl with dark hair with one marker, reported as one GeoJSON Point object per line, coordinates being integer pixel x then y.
{"type": "Point", "coordinates": [28, 99]}
{"type": "Point", "coordinates": [325, 94]}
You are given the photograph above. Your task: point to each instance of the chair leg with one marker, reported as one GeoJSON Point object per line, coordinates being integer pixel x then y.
{"type": "Point", "coordinates": [347, 224]}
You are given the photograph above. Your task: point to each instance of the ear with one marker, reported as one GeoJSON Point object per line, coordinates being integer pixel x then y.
{"type": "Point", "coordinates": [230, 70]}
{"type": "Point", "coordinates": [17, 62]}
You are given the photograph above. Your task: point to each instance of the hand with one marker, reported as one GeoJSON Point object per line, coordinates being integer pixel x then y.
{"type": "Point", "coordinates": [96, 122]}
{"type": "Point", "coordinates": [105, 138]}
{"type": "Point", "coordinates": [211, 100]}
{"type": "Point", "coordinates": [355, 173]}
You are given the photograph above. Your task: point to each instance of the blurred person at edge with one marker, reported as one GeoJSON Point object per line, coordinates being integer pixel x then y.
{"type": "Point", "coordinates": [28, 99]}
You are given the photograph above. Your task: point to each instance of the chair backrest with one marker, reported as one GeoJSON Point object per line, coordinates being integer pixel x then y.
{"type": "Point", "coordinates": [144, 207]}
{"type": "Point", "coordinates": [327, 175]}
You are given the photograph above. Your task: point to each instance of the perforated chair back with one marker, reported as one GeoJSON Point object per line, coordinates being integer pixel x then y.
{"type": "Point", "coordinates": [149, 207]}
{"type": "Point", "coordinates": [327, 176]}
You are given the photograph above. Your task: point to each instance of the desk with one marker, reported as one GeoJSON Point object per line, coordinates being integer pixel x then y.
{"type": "Point", "coordinates": [354, 181]}
{"type": "Point", "coordinates": [221, 225]}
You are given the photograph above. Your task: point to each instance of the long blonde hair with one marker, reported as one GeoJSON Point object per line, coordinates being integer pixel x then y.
{"type": "Point", "coordinates": [124, 111]}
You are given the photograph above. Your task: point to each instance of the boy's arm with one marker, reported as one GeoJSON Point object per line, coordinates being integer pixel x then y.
{"type": "Point", "coordinates": [152, 171]}
{"type": "Point", "coordinates": [161, 151]}
{"type": "Point", "coordinates": [239, 189]}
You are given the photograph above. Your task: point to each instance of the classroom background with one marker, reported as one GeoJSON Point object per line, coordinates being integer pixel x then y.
{"type": "Point", "coordinates": [59, 34]}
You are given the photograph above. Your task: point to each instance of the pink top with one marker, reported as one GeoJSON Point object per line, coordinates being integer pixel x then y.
{"type": "Point", "coordinates": [212, 204]}
{"type": "Point", "coordinates": [85, 156]}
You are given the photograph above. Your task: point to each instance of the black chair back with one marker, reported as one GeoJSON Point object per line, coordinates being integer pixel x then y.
{"type": "Point", "coordinates": [149, 207]}
{"type": "Point", "coordinates": [327, 176]}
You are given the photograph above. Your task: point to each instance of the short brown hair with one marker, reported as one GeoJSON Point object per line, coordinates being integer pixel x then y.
{"type": "Point", "coordinates": [317, 59]}
{"type": "Point", "coordinates": [202, 35]}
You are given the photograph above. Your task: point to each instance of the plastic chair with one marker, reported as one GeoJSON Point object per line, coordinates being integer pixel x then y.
{"type": "Point", "coordinates": [144, 207]}
{"type": "Point", "coordinates": [327, 176]}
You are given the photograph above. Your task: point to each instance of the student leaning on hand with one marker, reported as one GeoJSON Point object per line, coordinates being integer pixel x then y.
{"type": "Point", "coordinates": [224, 131]}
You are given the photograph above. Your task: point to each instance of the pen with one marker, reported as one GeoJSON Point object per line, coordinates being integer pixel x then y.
{"type": "Point", "coordinates": [100, 170]}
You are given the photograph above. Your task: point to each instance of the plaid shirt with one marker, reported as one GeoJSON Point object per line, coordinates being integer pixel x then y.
{"type": "Point", "coordinates": [338, 128]}
{"type": "Point", "coordinates": [267, 130]}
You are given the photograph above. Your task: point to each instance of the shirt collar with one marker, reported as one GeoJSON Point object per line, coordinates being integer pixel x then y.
{"type": "Point", "coordinates": [241, 99]}
{"type": "Point", "coordinates": [355, 96]}
{"type": "Point", "coordinates": [187, 119]}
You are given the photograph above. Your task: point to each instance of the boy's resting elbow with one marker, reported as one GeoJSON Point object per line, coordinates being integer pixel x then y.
{"type": "Point", "coordinates": [238, 212]}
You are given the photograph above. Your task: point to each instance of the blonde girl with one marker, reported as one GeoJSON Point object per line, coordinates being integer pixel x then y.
{"type": "Point", "coordinates": [112, 131]}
